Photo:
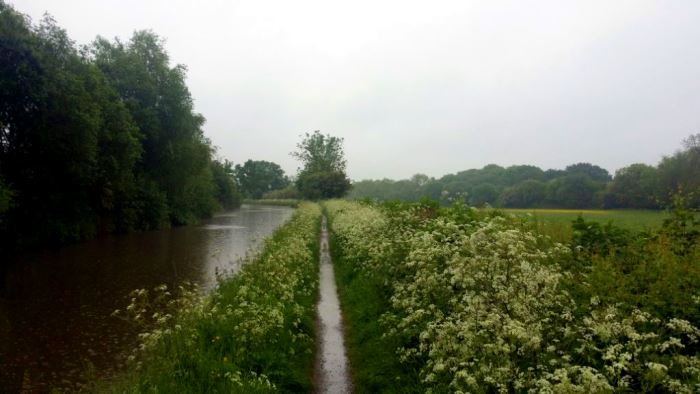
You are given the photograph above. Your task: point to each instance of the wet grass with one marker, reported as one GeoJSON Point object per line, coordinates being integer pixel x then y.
{"type": "Point", "coordinates": [629, 219]}
{"type": "Point", "coordinates": [375, 367]}
{"type": "Point", "coordinates": [556, 223]}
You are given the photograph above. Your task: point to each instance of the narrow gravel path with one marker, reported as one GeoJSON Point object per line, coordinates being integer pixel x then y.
{"type": "Point", "coordinates": [332, 374]}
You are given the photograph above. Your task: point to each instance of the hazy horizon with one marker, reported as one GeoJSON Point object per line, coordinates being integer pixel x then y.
{"type": "Point", "coordinates": [426, 89]}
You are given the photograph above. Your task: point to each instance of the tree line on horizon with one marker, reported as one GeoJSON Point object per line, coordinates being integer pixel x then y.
{"type": "Point", "coordinates": [578, 186]}
{"type": "Point", "coordinates": [97, 139]}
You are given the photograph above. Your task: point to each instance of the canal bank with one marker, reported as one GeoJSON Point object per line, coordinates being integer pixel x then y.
{"type": "Point", "coordinates": [253, 333]}
{"type": "Point", "coordinates": [56, 328]}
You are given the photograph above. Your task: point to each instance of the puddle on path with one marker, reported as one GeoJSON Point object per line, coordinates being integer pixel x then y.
{"type": "Point", "coordinates": [332, 363]}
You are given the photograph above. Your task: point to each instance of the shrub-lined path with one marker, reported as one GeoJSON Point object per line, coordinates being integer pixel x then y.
{"type": "Point", "coordinates": [332, 373]}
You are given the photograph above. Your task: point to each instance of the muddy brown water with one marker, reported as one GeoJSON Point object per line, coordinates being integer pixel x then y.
{"type": "Point", "coordinates": [55, 325]}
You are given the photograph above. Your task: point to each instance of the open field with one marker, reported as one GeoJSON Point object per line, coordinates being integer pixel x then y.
{"type": "Point", "coordinates": [556, 223]}
{"type": "Point", "coordinates": [631, 219]}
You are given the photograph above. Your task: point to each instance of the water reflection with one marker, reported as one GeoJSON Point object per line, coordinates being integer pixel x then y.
{"type": "Point", "coordinates": [55, 305]}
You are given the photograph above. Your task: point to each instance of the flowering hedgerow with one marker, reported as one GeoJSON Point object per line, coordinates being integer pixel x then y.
{"type": "Point", "coordinates": [479, 304]}
{"type": "Point", "coordinates": [253, 333]}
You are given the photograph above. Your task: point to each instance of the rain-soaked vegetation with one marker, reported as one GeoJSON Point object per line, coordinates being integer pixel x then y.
{"type": "Point", "coordinates": [128, 265]}
{"type": "Point", "coordinates": [461, 300]}
{"type": "Point", "coordinates": [253, 333]}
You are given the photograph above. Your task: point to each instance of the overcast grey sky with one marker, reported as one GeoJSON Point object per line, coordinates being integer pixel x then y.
{"type": "Point", "coordinates": [432, 87]}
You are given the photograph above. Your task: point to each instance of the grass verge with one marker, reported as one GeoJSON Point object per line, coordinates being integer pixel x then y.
{"type": "Point", "coordinates": [556, 223]}
{"type": "Point", "coordinates": [253, 334]}
{"type": "Point", "coordinates": [374, 362]}
{"type": "Point", "coordinates": [277, 202]}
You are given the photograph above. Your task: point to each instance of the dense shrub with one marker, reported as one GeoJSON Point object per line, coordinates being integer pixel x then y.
{"type": "Point", "coordinates": [481, 303]}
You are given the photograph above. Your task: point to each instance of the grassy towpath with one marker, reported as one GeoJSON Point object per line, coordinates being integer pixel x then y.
{"type": "Point", "coordinates": [332, 374]}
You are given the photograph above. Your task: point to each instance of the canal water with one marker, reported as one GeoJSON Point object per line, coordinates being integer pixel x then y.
{"type": "Point", "coordinates": [56, 327]}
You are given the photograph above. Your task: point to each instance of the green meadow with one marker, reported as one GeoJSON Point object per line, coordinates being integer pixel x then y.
{"type": "Point", "coordinates": [556, 223]}
{"type": "Point", "coordinates": [632, 219]}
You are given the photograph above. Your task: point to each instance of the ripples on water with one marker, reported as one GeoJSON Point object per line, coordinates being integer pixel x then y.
{"type": "Point", "coordinates": [55, 305]}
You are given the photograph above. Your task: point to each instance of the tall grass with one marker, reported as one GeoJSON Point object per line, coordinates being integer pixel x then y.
{"type": "Point", "coordinates": [253, 334]}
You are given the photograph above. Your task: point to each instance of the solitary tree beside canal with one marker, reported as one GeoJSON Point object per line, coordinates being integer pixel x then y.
{"type": "Point", "coordinates": [323, 172]}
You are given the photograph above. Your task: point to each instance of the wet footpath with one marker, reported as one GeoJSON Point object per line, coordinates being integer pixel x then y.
{"type": "Point", "coordinates": [332, 371]}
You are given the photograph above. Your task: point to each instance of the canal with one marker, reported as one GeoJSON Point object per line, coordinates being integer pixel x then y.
{"type": "Point", "coordinates": [56, 328]}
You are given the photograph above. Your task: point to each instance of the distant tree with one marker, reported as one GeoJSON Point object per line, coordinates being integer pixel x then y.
{"type": "Point", "coordinates": [382, 189]}
{"type": "Point", "coordinates": [516, 174]}
{"type": "Point", "coordinates": [323, 184]}
{"type": "Point", "coordinates": [226, 190]}
{"type": "Point", "coordinates": [484, 193]}
{"type": "Point", "coordinates": [576, 190]}
{"type": "Point", "coordinates": [288, 193]}
{"type": "Point", "coordinates": [594, 172]}
{"type": "Point", "coordinates": [319, 152]}
{"type": "Point", "coordinates": [323, 172]}
{"type": "Point", "coordinates": [680, 173]}
{"type": "Point", "coordinates": [553, 173]}
{"type": "Point", "coordinates": [418, 186]}
{"type": "Point", "coordinates": [257, 177]}
{"type": "Point", "coordinates": [420, 180]}
{"type": "Point", "coordinates": [527, 194]}
{"type": "Point", "coordinates": [633, 186]}
{"type": "Point", "coordinates": [692, 143]}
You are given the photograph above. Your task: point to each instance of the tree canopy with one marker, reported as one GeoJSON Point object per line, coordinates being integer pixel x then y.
{"type": "Point", "coordinates": [257, 177]}
{"type": "Point", "coordinates": [323, 172]}
{"type": "Point", "coordinates": [100, 139]}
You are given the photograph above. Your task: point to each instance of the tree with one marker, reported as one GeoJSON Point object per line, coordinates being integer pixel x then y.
{"type": "Point", "coordinates": [257, 177]}
{"type": "Point", "coordinates": [594, 172]}
{"type": "Point", "coordinates": [68, 143]}
{"type": "Point", "coordinates": [176, 160]}
{"type": "Point", "coordinates": [226, 190]}
{"type": "Point", "coordinates": [680, 173]}
{"type": "Point", "coordinates": [484, 193]}
{"type": "Point", "coordinates": [323, 172]}
{"type": "Point", "coordinates": [572, 191]}
{"type": "Point", "coordinates": [527, 194]}
{"type": "Point", "coordinates": [95, 140]}
{"type": "Point", "coordinates": [319, 153]}
{"type": "Point", "coordinates": [322, 185]}
{"type": "Point", "coordinates": [634, 186]}
{"type": "Point", "coordinates": [516, 174]}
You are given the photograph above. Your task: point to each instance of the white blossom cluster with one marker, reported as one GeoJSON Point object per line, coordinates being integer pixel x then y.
{"type": "Point", "coordinates": [479, 306]}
